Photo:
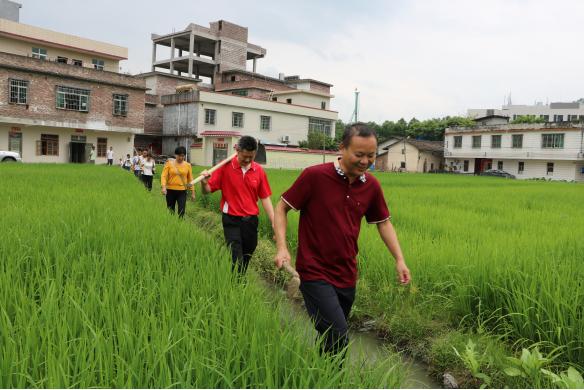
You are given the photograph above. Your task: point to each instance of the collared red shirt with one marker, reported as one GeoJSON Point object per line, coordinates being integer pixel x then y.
{"type": "Point", "coordinates": [331, 210]}
{"type": "Point", "coordinates": [240, 190]}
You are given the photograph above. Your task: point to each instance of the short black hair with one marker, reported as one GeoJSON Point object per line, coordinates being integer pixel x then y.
{"type": "Point", "coordinates": [248, 143]}
{"type": "Point", "coordinates": [358, 128]}
{"type": "Point", "coordinates": [180, 150]}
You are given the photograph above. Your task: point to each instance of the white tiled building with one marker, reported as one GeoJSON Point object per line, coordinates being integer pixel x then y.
{"type": "Point", "coordinates": [552, 112]}
{"type": "Point", "coordinates": [551, 151]}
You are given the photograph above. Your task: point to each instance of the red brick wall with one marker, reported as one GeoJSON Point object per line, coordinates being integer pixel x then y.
{"type": "Point", "coordinates": [153, 120]}
{"type": "Point", "coordinates": [229, 30]}
{"type": "Point", "coordinates": [319, 88]}
{"type": "Point", "coordinates": [248, 82]}
{"type": "Point", "coordinates": [167, 85]}
{"type": "Point", "coordinates": [44, 77]}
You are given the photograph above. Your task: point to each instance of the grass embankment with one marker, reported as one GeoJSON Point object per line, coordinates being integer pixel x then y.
{"type": "Point", "coordinates": [101, 287]}
{"type": "Point", "coordinates": [494, 261]}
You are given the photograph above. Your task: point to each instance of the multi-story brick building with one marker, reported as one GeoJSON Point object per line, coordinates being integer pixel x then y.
{"type": "Point", "coordinates": [225, 97]}
{"type": "Point", "coordinates": [64, 94]}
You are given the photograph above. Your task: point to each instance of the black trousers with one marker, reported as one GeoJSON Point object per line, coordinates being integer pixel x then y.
{"type": "Point", "coordinates": [176, 196]}
{"type": "Point", "coordinates": [241, 235]}
{"type": "Point", "coordinates": [329, 308]}
{"type": "Point", "coordinates": [147, 179]}
{"type": "Point", "coordinates": [110, 161]}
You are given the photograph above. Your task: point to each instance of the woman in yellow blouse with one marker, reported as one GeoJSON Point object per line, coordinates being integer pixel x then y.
{"type": "Point", "coordinates": [175, 179]}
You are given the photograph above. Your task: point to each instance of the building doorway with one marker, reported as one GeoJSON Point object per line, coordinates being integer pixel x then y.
{"type": "Point", "coordinates": [78, 149]}
{"type": "Point", "coordinates": [482, 164]}
{"type": "Point", "coordinates": [15, 142]}
{"type": "Point", "coordinates": [219, 152]}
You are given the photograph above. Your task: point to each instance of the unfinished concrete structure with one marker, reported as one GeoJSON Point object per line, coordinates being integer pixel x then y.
{"type": "Point", "coordinates": [205, 52]}
{"type": "Point", "coordinates": [222, 97]}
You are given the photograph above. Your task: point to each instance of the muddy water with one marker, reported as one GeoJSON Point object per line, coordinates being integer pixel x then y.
{"type": "Point", "coordinates": [364, 345]}
{"type": "Point", "coordinates": [369, 345]}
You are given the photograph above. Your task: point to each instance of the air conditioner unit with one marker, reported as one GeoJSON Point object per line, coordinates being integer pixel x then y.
{"type": "Point", "coordinates": [285, 138]}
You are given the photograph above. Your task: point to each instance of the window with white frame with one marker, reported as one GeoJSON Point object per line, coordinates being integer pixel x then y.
{"type": "Point", "coordinates": [210, 116]}
{"type": "Point", "coordinates": [98, 64]}
{"type": "Point", "coordinates": [458, 141]}
{"type": "Point", "coordinates": [520, 167]}
{"type": "Point", "coordinates": [552, 141]}
{"type": "Point", "coordinates": [265, 122]}
{"type": "Point", "coordinates": [120, 104]}
{"type": "Point", "coordinates": [237, 119]}
{"type": "Point", "coordinates": [320, 125]}
{"type": "Point", "coordinates": [75, 99]}
{"type": "Point", "coordinates": [517, 141]}
{"type": "Point", "coordinates": [500, 165]}
{"type": "Point", "coordinates": [496, 141]}
{"type": "Point", "coordinates": [18, 91]}
{"type": "Point", "coordinates": [39, 52]}
{"type": "Point", "coordinates": [77, 62]}
{"type": "Point", "coordinates": [476, 141]}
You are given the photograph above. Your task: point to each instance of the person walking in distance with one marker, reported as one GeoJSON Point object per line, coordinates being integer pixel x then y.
{"type": "Point", "coordinates": [137, 163]}
{"type": "Point", "coordinates": [110, 156]}
{"type": "Point", "coordinates": [175, 180]}
{"type": "Point", "coordinates": [148, 170]}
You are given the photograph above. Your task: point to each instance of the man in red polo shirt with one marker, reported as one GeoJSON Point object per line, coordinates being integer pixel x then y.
{"type": "Point", "coordinates": [332, 199]}
{"type": "Point", "coordinates": [242, 182]}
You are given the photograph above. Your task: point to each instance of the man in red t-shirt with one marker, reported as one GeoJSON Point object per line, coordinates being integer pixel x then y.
{"type": "Point", "coordinates": [242, 182]}
{"type": "Point", "coordinates": [332, 199]}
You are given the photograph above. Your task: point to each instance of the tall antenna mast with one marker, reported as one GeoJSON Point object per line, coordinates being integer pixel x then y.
{"type": "Point", "coordinates": [355, 115]}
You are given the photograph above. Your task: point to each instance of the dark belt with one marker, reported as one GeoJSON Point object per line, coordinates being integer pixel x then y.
{"type": "Point", "coordinates": [246, 218]}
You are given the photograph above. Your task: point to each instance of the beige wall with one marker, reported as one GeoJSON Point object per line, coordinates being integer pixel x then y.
{"type": "Point", "coordinates": [413, 158]}
{"type": "Point", "coordinates": [287, 160]}
{"type": "Point", "coordinates": [304, 99]}
{"type": "Point", "coordinates": [274, 159]}
{"type": "Point", "coordinates": [24, 48]}
{"type": "Point", "coordinates": [122, 143]}
{"type": "Point", "coordinates": [77, 44]}
{"type": "Point", "coordinates": [197, 156]}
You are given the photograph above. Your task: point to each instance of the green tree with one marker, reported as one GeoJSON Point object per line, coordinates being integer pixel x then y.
{"type": "Point", "coordinates": [318, 140]}
{"type": "Point", "coordinates": [527, 119]}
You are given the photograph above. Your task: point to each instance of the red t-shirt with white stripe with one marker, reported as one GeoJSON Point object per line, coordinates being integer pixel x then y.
{"type": "Point", "coordinates": [331, 211]}
{"type": "Point", "coordinates": [240, 190]}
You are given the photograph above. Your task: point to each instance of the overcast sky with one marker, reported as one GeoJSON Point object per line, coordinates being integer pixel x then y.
{"type": "Point", "coordinates": [416, 58]}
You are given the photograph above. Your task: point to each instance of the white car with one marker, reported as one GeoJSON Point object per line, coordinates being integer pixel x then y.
{"type": "Point", "coordinates": [9, 156]}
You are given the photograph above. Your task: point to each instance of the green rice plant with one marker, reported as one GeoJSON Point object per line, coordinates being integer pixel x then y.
{"type": "Point", "coordinates": [498, 255]}
{"type": "Point", "coordinates": [101, 287]}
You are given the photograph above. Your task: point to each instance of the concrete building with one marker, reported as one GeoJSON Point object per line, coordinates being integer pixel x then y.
{"type": "Point", "coordinates": [410, 155]}
{"type": "Point", "coordinates": [553, 112]}
{"type": "Point", "coordinates": [549, 151]}
{"type": "Point", "coordinates": [222, 97]}
{"type": "Point", "coordinates": [64, 95]}
{"type": "Point", "coordinates": [10, 10]}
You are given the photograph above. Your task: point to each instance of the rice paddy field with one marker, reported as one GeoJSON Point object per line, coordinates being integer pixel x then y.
{"type": "Point", "coordinates": [101, 287]}
{"type": "Point", "coordinates": [488, 255]}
